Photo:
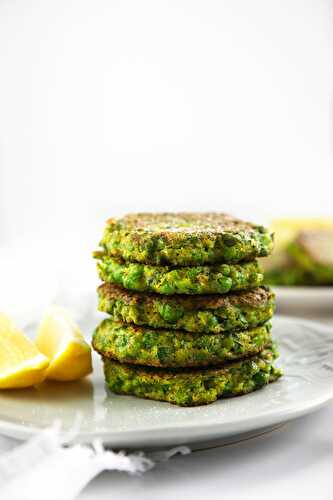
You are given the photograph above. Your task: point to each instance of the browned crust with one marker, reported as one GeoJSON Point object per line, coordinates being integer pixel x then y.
{"type": "Point", "coordinates": [216, 369]}
{"type": "Point", "coordinates": [251, 298]}
{"type": "Point", "coordinates": [189, 365]}
{"type": "Point", "coordinates": [168, 223]}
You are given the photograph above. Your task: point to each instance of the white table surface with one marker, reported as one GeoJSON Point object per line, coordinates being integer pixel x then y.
{"type": "Point", "coordinates": [294, 461]}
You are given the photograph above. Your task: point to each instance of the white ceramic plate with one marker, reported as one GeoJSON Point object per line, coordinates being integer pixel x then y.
{"type": "Point", "coordinates": [303, 297]}
{"type": "Point", "coordinates": [124, 421]}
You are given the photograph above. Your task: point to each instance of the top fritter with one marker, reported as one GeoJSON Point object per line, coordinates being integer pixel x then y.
{"type": "Point", "coordinates": [184, 239]}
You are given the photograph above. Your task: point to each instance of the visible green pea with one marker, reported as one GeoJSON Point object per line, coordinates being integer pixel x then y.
{"type": "Point", "coordinates": [260, 379]}
{"type": "Point", "coordinates": [225, 283]}
{"type": "Point", "coordinates": [133, 278]}
{"type": "Point", "coordinates": [171, 313]}
{"type": "Point", "coordinates": [167, 288]}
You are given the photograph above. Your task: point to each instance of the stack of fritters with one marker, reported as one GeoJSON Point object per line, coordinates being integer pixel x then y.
{"type": "Point", "coordinates": [188, 320]}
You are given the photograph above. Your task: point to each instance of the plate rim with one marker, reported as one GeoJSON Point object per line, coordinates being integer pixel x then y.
{"type": "Point", "coordinates": [192, 432]}
{"type": "Point", "coordinates": [320, 291]}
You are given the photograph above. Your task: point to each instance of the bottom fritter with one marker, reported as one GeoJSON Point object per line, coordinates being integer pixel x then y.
{"type": "Point", "coordinates": [192, 387]}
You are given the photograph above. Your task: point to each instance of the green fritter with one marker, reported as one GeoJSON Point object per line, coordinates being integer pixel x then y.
{"type": "Point", "coordinates": [192, 387]}
{"type": "Point", "coordinates": [185, 239]}
{"type": "Point", "coordinates": [175, 348]}
{"type": "Point", "coordinates": [312, 252]}
{"type": "Point", "coordinates": [290, 275]}
{"type": "Point", "coordinates": [220, 278]}
{"type": "Point", "coordinates": [195, 313]}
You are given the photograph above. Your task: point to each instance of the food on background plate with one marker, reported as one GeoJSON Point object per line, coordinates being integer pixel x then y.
{"type": "Point", "coordinates": [166, 337]}
{"type": "Point", "coordinates": [21, 363]}
{"type": "Point", "coordinates": [61, 340]}
{"type": "Point", "coordinates": [312, 251]}
{"type": "Point", "coordinates": [303, 254]}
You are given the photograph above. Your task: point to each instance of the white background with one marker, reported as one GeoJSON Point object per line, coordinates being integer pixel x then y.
{"type": "Point", "coordinates": [112, 106]}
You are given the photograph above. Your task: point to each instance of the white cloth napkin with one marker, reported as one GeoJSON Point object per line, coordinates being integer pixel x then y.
{"type": "Point", "coordinates": [44, 467]}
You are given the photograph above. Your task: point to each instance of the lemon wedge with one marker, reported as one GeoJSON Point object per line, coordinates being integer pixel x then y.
{"type": "Point", "coordinates": [61, 340]}
{"type": "Point", "coordinates": [21, 364]}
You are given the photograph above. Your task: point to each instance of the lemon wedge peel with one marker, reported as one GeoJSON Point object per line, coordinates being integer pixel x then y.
{"type": "Point", "coordinates": [61, 340]}
{"type": "Point", "coordinates": [21, 364]}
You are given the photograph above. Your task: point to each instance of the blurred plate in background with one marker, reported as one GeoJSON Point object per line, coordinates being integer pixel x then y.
{"type": "Point", "coordinates": [305, 299]}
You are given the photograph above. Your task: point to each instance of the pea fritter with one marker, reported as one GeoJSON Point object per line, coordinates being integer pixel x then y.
{"type": "Point", "coordinates": [167, 280]}
{"type": "Point", "coordinates": [184, 239]}
{"type": "Point", "coordinates": [192, 313]}
{"type": "Point", "coordinates": [175, 348]}
{"type": "Point", "coordinates": [192, 387]}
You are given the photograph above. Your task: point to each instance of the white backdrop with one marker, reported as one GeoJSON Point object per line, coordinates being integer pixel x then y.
{"type": "Point", "coordinates": [109, 106]}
